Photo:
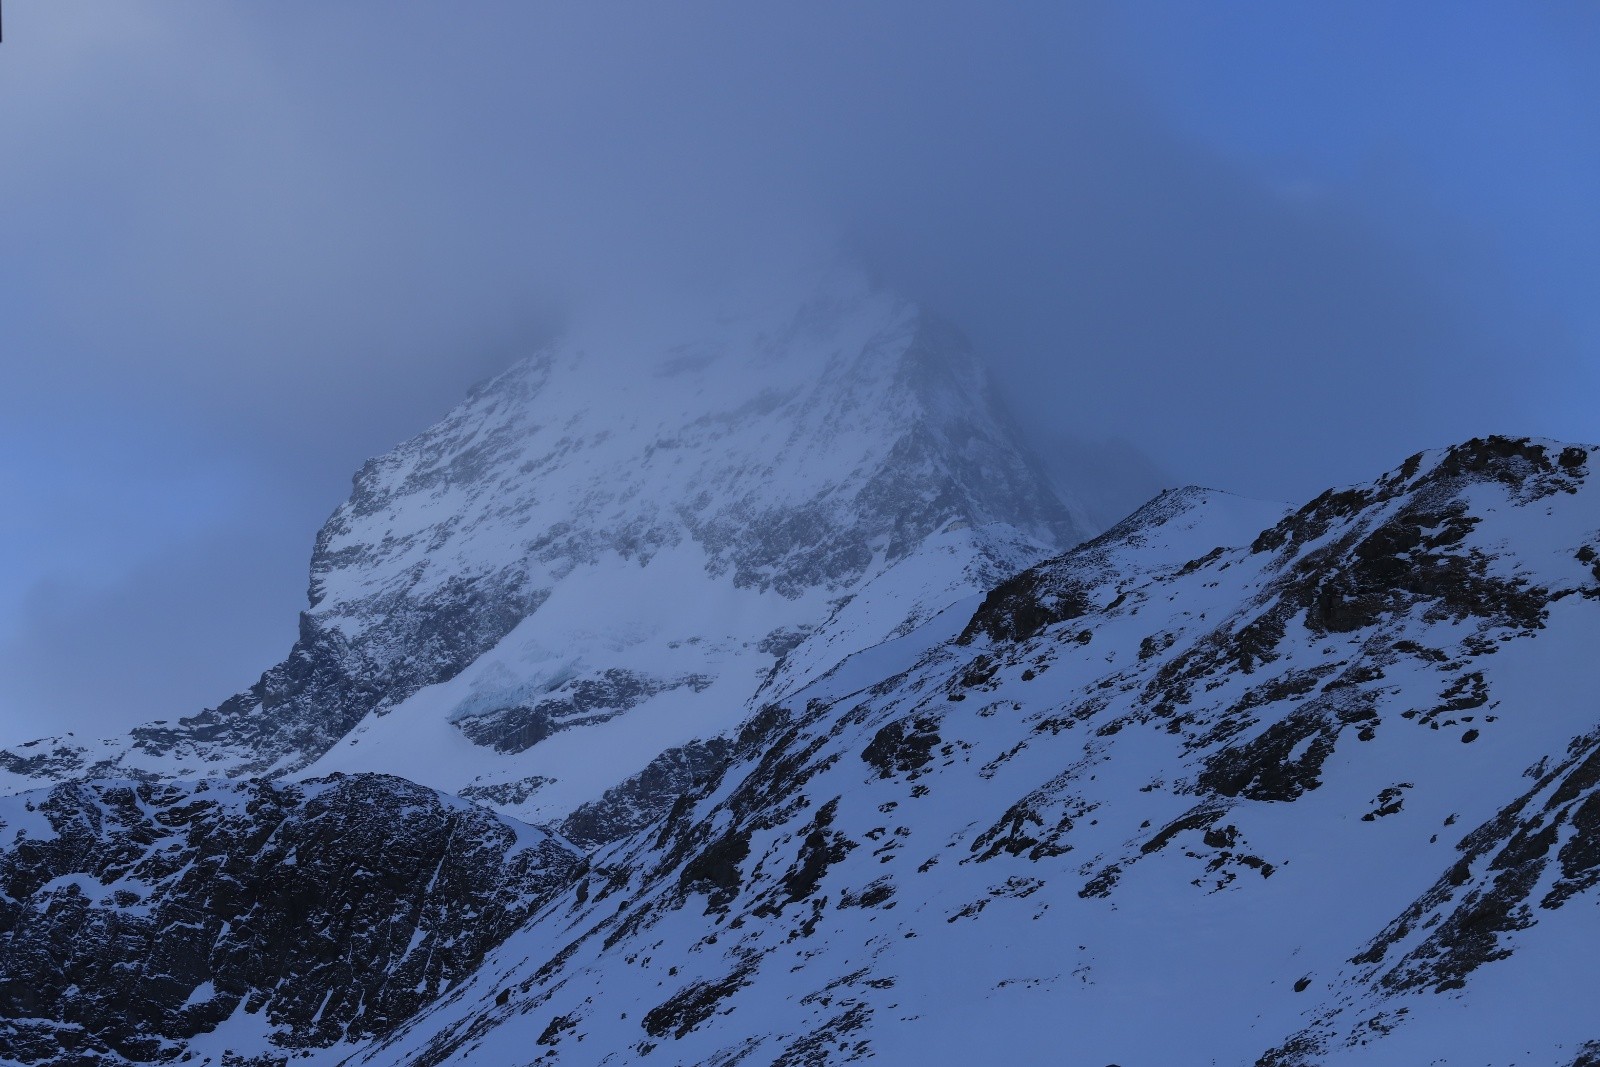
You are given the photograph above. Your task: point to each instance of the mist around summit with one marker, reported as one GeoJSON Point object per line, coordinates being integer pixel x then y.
{"type": "Point", "coordinates": [718, 535]}
{"type": "Point", "coordinates": [249, 250]}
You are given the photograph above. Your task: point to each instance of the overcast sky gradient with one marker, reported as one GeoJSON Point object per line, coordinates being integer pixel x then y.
{"type": "Point", "coordinates": [245, 246]}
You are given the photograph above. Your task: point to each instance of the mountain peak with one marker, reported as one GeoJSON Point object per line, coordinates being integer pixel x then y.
{"type": "Point", "coordinates": [620, 521]}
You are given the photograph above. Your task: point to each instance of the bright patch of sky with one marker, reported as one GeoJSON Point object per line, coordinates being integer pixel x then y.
{"type": "Point", "coordinates": [1468, 129]}
{"type": "Point", "coordinates": [59, 501]}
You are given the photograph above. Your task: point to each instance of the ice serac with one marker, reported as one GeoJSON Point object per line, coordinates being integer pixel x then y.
{"type": "Point", "coordinates": [609, 548]}
{"type": "Point", "coordinates": [1229, 784]}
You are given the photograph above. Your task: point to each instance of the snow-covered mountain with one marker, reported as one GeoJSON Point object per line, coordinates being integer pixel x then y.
{"type": "Point", "coordinates": [608, 550]}
{"type": "Point", "coordinates": [1225, 785]}
{"type": "Point", "coordinates": [745, 700]}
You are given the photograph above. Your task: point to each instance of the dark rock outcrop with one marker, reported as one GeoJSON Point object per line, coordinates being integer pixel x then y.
{"type": "Point", "coordinates": [136, 915]}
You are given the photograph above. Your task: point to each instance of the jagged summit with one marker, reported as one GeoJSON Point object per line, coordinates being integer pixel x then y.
{"type": "Point", "coordinates": [630, 525]}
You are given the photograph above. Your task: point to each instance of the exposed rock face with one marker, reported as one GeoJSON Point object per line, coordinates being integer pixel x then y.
{"type": "Point", "coordinates": [1212, 761]}
{"type": "Point", "coordinates": [636, 803]}
{"type": "Point", "coordinates": [134, 916]}
{"type": "Point", "coordinates": [573, 703]}
{"type": "Point", "coordinates": [301, 707]}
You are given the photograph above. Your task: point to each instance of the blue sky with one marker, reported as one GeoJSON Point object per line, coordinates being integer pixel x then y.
{"type": "Point", "coordinates": [1469, 131]}
{"type": "Point", "coordinates": [245, 247]}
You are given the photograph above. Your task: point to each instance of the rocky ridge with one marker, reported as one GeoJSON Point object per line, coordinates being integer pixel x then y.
{"type": "Point", "coordinates": [1225, 783]}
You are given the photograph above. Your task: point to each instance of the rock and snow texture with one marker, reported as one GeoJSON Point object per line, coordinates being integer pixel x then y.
{"type": "Point", "coordinates": [137, 919]}
{"type": "Point", "coordinates": [831, 768]}
{"type": "Point", "coordinates": [1225, 785]}
{"type": "Point", "coordinates": [605, 552]}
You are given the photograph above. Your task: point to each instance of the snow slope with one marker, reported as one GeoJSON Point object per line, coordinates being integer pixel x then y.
{"type": "Point", "coordinates": [1224, 786]}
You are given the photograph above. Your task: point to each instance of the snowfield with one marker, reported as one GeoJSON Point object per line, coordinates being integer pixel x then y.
{"type": "Point", "coordinates": [1221, 786]}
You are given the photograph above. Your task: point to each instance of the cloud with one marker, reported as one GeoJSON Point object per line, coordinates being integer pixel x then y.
{"type": "Point", "coordinates": [303, 225]}
{"type": "Point", "coordinates": [283, 237]}
{"type": "Point", "coordinates": [183, 629]}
